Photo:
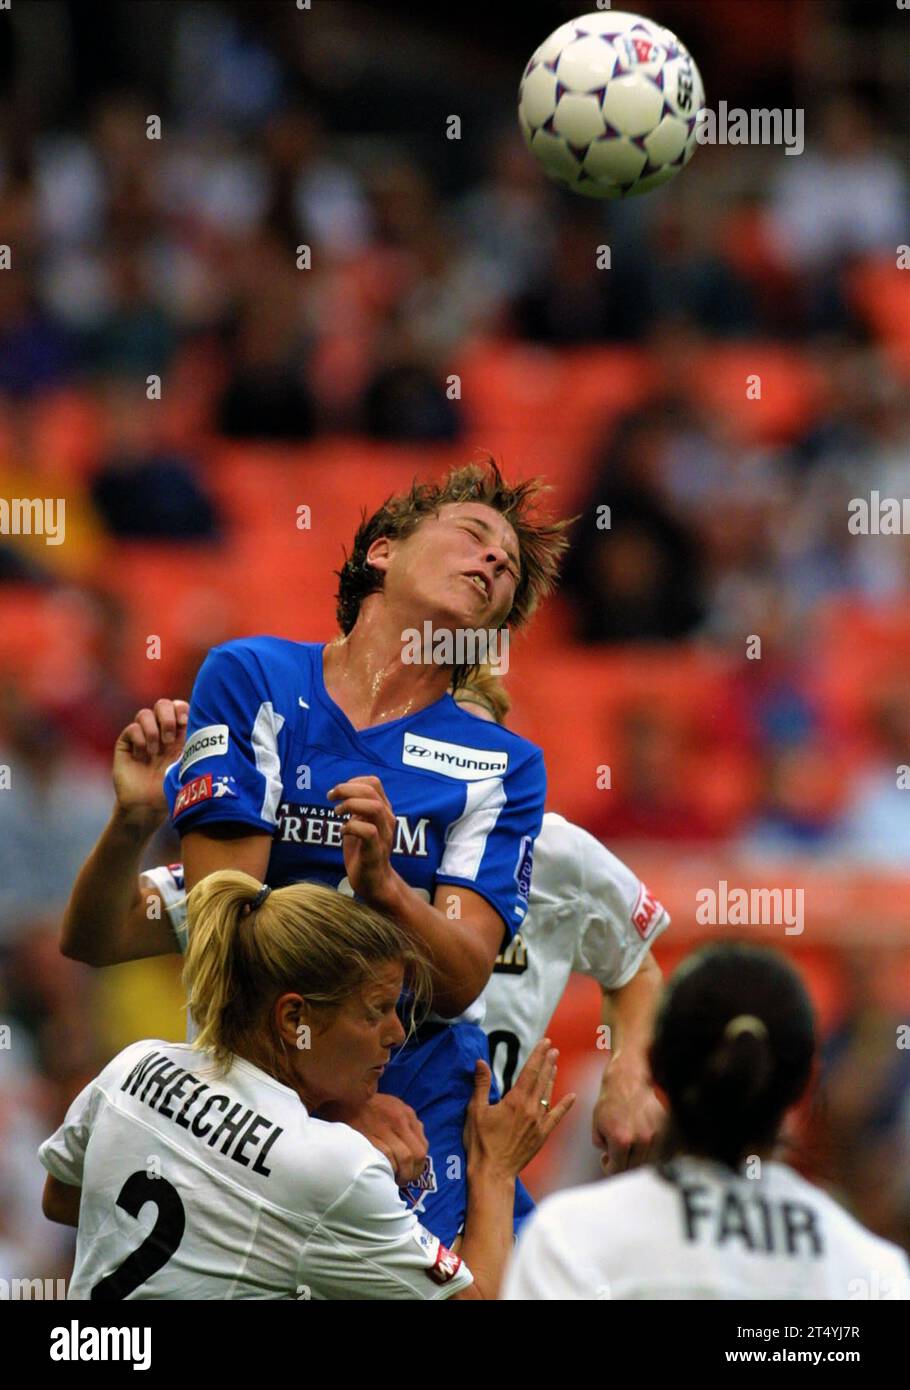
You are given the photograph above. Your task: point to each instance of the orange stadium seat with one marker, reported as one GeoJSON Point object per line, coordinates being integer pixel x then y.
{"type": "Point", "coordinates": [864, 648]}
{"type": "Point", "coordinates": [544, 411]}
{"type": "Point", "coordinates": [881, 293]}
{"type": "Point", "coordinates": [791, 388]}
{"type": "Point", "coordinates": [599, 685]}
{"type": "Point", "coordinates": [44, 639]}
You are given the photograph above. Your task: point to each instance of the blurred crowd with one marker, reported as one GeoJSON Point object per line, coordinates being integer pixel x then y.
{"type": "Point", "coordinates": [293, 276]}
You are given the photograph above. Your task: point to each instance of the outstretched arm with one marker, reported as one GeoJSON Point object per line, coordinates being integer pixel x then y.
{"type": "Point", "coordinates": [107, 919]}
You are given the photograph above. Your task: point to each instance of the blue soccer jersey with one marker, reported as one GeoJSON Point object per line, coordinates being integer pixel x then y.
{"type": "Point", "coordinates": [266, 743]}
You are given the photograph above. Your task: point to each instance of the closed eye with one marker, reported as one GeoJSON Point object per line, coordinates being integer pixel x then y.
{"type": "Point", "coordinates": [482, 539]}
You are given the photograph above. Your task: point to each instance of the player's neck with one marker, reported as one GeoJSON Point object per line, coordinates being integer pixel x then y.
{"type": "Point", "coordinates": [366, 677]}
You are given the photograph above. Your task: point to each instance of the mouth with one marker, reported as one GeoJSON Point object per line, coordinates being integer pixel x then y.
{"type": "Point", "coordinates": [480, 581]}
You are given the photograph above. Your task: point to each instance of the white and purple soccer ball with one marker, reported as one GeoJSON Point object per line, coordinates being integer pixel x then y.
{"type": "Point", "coordinates": [609, 104]}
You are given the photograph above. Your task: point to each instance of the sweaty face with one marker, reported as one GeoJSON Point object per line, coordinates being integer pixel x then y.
{"type": "Point", "coordinates": [460, 568]}
{"type": "Point", "coordinates": [346, 1059]}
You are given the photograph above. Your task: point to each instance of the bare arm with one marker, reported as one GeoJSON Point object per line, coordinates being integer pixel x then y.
{"type": "Point", "coordinates": [500, 1140]}
{"type": "Point", "coordinates": [60, 1201]}
{"type": "Point", "coordinates": [462, 948]}
{"type": "Point", "coordinates": [460, 931]}
{"type": "Point", "coordinates": [628, 1115]}
{"type": "Point", "coordinates": [106, 920]}
{"type": "Point", "coordinates": [224, 846]}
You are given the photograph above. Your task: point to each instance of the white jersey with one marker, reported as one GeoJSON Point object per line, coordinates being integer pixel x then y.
{"type": "Point", "coordinates": [707, 1234]}
{"type": "Point", "coordinates": [199, 1185]}
{"type": "Point", "coordinates": [587, 912]}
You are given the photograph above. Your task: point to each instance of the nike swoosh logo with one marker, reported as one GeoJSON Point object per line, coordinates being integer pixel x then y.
{"type": "Point", "coordinates": [302, 702]}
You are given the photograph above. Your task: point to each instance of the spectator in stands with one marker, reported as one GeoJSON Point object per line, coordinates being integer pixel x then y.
{"type": "Point", "coordinates": [134, 335]}
{"type": "Point", "coordinates": [639, 579]}
{"type": "Point", "coordinates": [845, 197]}
{"type": "Point", "coordinates": [875, 826]}
{"type": "Point", "coordinates": [798, 801]}
{"type": "Point", "coordinates": [35, 353]}
{"type": "Point", "coordinates": [267, 395]}
{"type": "Point", "coordinates": [142, 488]}
{"type": "Point", "coordinates": [651, 796]}
{"type": "Point", "coordinates": [510, 219]}
{"type": "Point", "coordinates": [860, 1128]}
{"type": "Point", "coordinates": [51, 812]}
{"type": "Point", "coordinates": [572, 300]}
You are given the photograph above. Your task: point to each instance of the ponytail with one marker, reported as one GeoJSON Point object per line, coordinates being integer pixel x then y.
{"type": "Point", "coordinates": [732, 1049]}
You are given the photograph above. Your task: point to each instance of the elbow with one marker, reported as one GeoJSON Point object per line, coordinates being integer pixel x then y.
{"type": "Point", "coordinates": [60, 1203]}
{"type": "Point", "coordinates": [79, 953]}
{"type": "Point", "coordinates": [82, 952]}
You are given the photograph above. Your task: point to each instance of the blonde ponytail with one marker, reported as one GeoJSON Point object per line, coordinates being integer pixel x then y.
{"type": "Point", "coordinates": [247, 948]}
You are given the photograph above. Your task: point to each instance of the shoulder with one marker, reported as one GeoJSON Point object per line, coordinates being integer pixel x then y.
{"type": "Point", "coordinates": [577, 858]}
{"type": "Point", "coordinates": [486, 733]}
{"type": "Point", "coordinates": [113, 1075]}
{"type": "Point", "coordinates": [845, 1229]}
{"type": "Point", "coordinates": [266, 654]}
{"type": "Point", "coordinates": [335, 1167]}
{"type": "Point", "coordinates": [451, 743]}
{"type": "Point", "coordinates": [571, 1212]}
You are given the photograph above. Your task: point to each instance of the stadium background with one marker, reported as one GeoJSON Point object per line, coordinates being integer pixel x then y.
{"type": "Point", "coordinates": [327, 388]}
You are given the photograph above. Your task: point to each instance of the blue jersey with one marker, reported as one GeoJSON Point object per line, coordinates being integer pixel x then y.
{"type": "Point", "coordinates": [266, 743]}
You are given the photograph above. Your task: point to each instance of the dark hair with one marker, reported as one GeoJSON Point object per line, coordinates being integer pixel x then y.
{"type": "Point", "coordinates": [541, 540]}
{"type": "Point", "coordinates": [733, 1046]}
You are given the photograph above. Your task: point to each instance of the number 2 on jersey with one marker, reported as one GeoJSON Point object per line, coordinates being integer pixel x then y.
{"type": "Point", "coordinates": [160, 1243]}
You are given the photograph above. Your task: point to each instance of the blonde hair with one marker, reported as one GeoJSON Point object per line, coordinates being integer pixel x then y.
{"type": "Point", "coordinates": [483, 688]}
{"type": "Point", "coordinates": [304, 938]}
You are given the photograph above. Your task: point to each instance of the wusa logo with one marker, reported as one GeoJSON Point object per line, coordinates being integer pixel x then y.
{"type": "Point", "coordinates": [453, 759]}
{"type": "Point", "coordinates": [213, 740]}
{"type": "Point", "coordinates": [446, 1266]}
{"type": "Point", "coordinates": [200, 789]}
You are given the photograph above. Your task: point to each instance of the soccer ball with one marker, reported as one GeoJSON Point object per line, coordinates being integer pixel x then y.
{"type": "Point", "coordinates": [609, 104]}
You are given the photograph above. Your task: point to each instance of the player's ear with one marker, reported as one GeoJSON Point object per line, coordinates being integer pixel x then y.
{"type": "Point", "coordinates": [292, 1018]}
{"type": "Point", "coordinates": [380, 553]}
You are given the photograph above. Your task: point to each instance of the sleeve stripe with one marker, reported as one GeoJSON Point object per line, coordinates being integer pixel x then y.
{"type": "Point", "coordinates": [264, 739]}
{"type": "Point", "coordinates": [466, 837]}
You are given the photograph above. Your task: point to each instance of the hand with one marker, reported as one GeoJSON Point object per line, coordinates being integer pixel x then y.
{"type": "Point", "coordinates": [393, 1128]}
{"type": "Point", "coordinates": [368, 837]}
{"type": "Point", "coordinates": [628, 1117]}
{"type": "Point", "coordinates": [509, 1134]}
{"type": "Point", "coordinates": [144, 749]}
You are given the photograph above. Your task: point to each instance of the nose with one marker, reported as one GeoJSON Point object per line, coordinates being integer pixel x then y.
{"type": "Point", "coordinates": [396, 1033]}
{"type": "Point", "coordinates": [497, 557]}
